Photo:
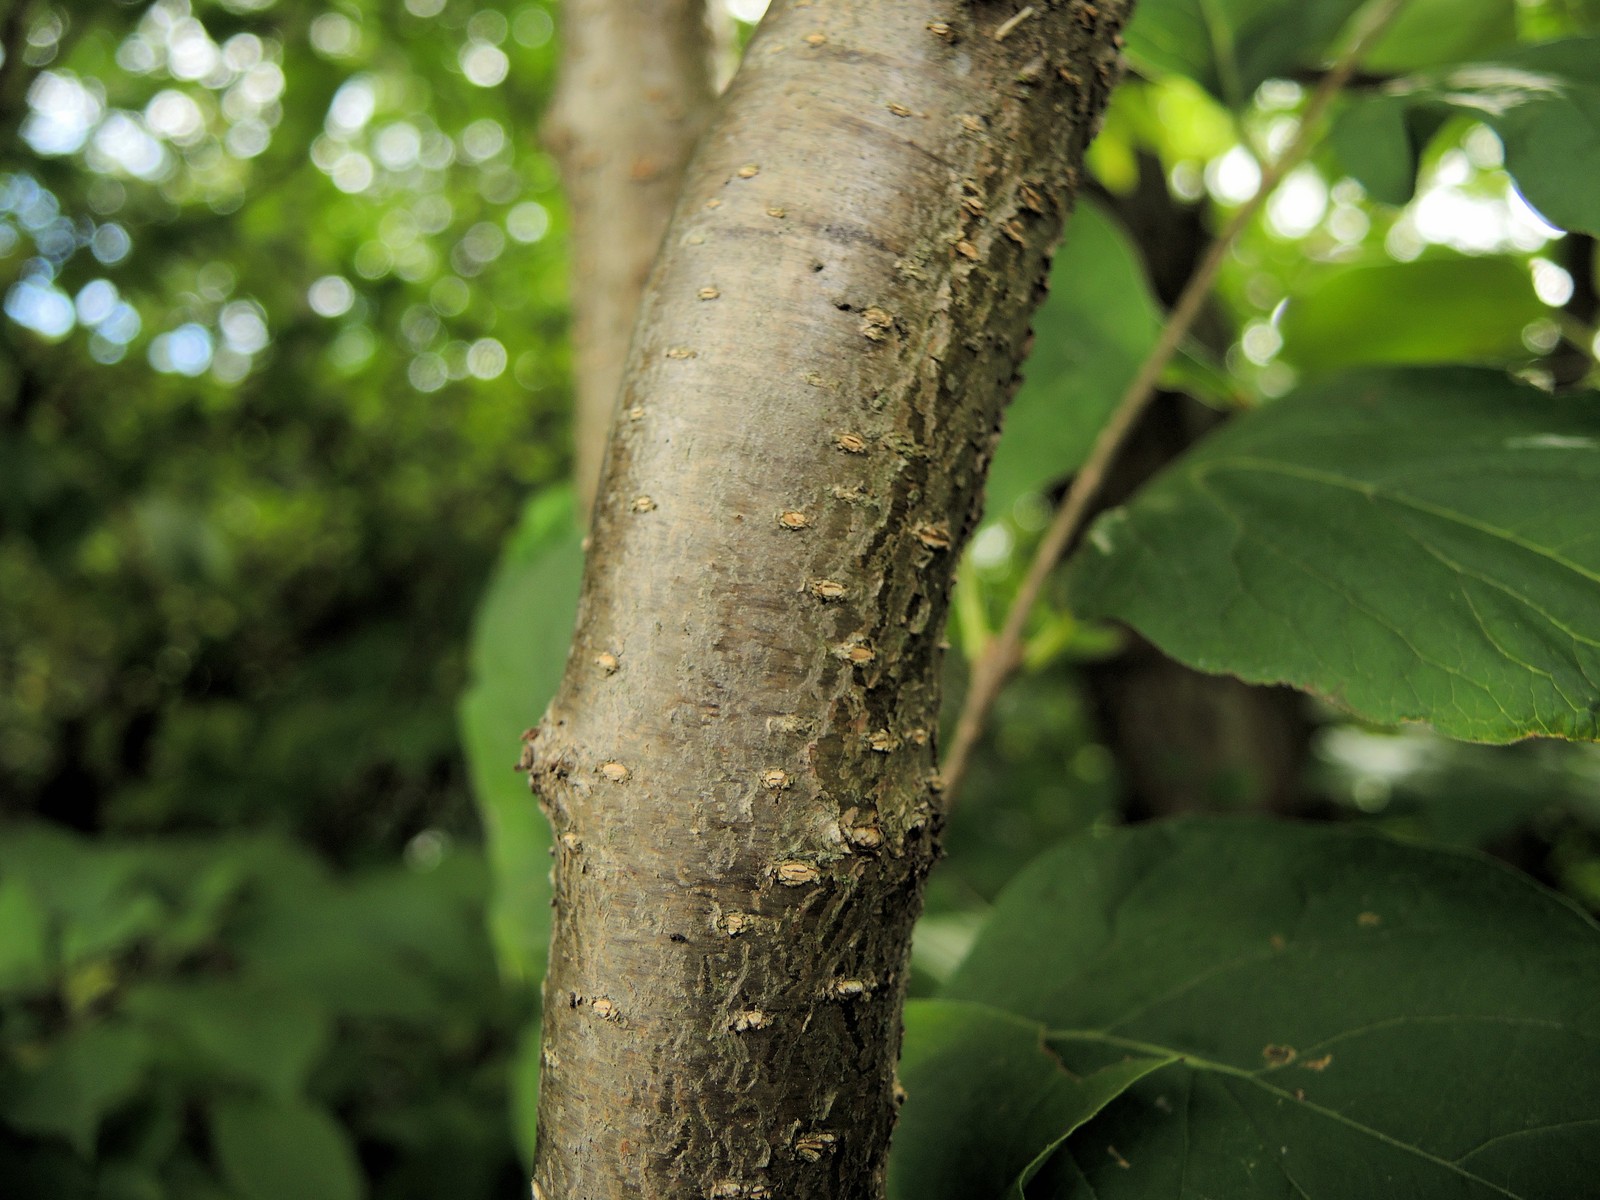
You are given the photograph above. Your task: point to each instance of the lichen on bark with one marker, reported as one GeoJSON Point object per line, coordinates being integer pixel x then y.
{"type": "Point", "coordinates": [740, 762]}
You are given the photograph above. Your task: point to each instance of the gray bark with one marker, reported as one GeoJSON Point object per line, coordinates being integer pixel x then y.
{"type": "Point", "coordinates": [635, 93]}
{"type": "Point", "coordinates": [739, 765]}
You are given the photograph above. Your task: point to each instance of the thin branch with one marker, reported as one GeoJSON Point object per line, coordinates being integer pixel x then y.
{"type": "Point", "coordinates": [1000, 658]}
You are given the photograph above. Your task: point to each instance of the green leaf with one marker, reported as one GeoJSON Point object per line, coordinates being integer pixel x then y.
{"type": "Point", "coordinates": [1549, 19]}
{"type": "Point", "coordinates": [284, 1151]}
{"type": "Point", "coordinates": [88, 1072]}
{"type": "Point", "coordinates": [263, 1036]}
{"type": "Point", "coordinates": [1347, 315]}
{"type": "Point", "coordinates": [127, 1181]}
{"type": "Point", "coordinates": [1455, 793]}
{"type": "Point", "coordinates": [1544, 104]}
{"type": "Point", "coordinates": [1374, 142]}
{"type": "Point", "coordinates": [1547, 112]}
{"type": "Point", "coordinates": [1089, 338]}
{"type": "Point", "coordinates": [1412, 545]}
{"type": "Point", "coordinates": [418, 941]}
{"type": "Point", "coordinates": [519, 649]}
{"type": "Point", "coordinates": [1432, 33]}
{"type": "Point", "coordinates": [100, 931]}
{"type": "Point", "coordinates": [24, 933]}
{"type": "Point", "coordinates": [1231, 46]}
{"type": "Point", "coordinates": [524, 1088]}
{"type": "Point", "coordinates": [987, 1101]}
{"type": "Point", "coordinates": [1353, 1016]}
{"type": "Point", "coordinates": [97, 897]}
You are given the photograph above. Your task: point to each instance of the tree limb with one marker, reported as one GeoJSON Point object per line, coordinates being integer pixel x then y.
{"type": "Point", "coordinates": [738, 764]}
{"type": "Point", "coordinates": [634, 94]}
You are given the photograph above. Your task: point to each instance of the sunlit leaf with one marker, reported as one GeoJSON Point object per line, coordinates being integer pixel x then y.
{"type": "Point", "coordinates": [1543, 101]}
{"type": "Point", "coordinates": [1344, 316]}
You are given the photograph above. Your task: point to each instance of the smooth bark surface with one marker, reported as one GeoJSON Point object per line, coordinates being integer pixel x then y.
{"type": "Point", "coordinates": [634, 95]}
{"type": "Point", "coordinates": [739, 764]}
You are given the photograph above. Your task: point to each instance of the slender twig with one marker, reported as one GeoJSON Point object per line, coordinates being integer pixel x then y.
{"type": "Point", "coordinates": [1000, 658]}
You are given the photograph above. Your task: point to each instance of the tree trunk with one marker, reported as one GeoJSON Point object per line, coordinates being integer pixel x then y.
{"type": "Point", "coordinates": [634, 94]}
{"type": "Point", "coordinates": [739, 764]}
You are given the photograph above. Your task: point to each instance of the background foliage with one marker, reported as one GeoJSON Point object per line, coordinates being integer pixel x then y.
{"type": "Point", "coordinates": [283, 394]}
{"type": "Point", "coordinates": [284, 350]}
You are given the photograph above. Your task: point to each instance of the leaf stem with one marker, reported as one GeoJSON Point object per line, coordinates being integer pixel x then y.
{"type": "Point", "coordinates": [1001, 657]}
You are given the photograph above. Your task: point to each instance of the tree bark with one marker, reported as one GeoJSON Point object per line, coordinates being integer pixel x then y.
{"type": "Point", "coordinates": [739, 763]}
{"type": "Point", "coordinates": [634, 95]}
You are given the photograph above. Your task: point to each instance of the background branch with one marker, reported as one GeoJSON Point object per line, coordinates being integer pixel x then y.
{"type": "Point", "coordinates": [636, 89]}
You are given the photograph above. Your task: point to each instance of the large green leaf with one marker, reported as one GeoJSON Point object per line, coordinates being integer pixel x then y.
{"type": "Point", "coordinates": [1345, 316]}
{"type": "Point", "coordinates": [420, 934]}
{"type": "Point", "coordinates": [523, 1086]}
{"type": "Point", "coordinates": [1543, 101]}
{"type": "Point", "coordinates": [987, 1101]}
{"type": "Point", "coordinates": [519, 648]}
{"type": "Point", "coordinates": [1353, 1016]}
{"type": "Point", "coordinates": [1413, 545]}
{"type": "Point", "coordinates": [284, 1151]}
{"type": "Point", "coordinates": [97, 897]}
{"type": "Point", "coordinates": [1090, 336]}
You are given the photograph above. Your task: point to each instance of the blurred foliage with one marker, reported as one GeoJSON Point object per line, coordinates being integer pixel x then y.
{"type": "Point", "coordinates": [283, 351]}
{"type": "Point", "coordinates": [178, 1012]}
{"type": "Point", "coordinates": [1114, 324]}
{"type": "Point", "coordinates": [519, 649]}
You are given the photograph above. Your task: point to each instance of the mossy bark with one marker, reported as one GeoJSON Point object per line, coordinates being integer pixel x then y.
{"type": "Point", "coordinates": [740, 763]}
